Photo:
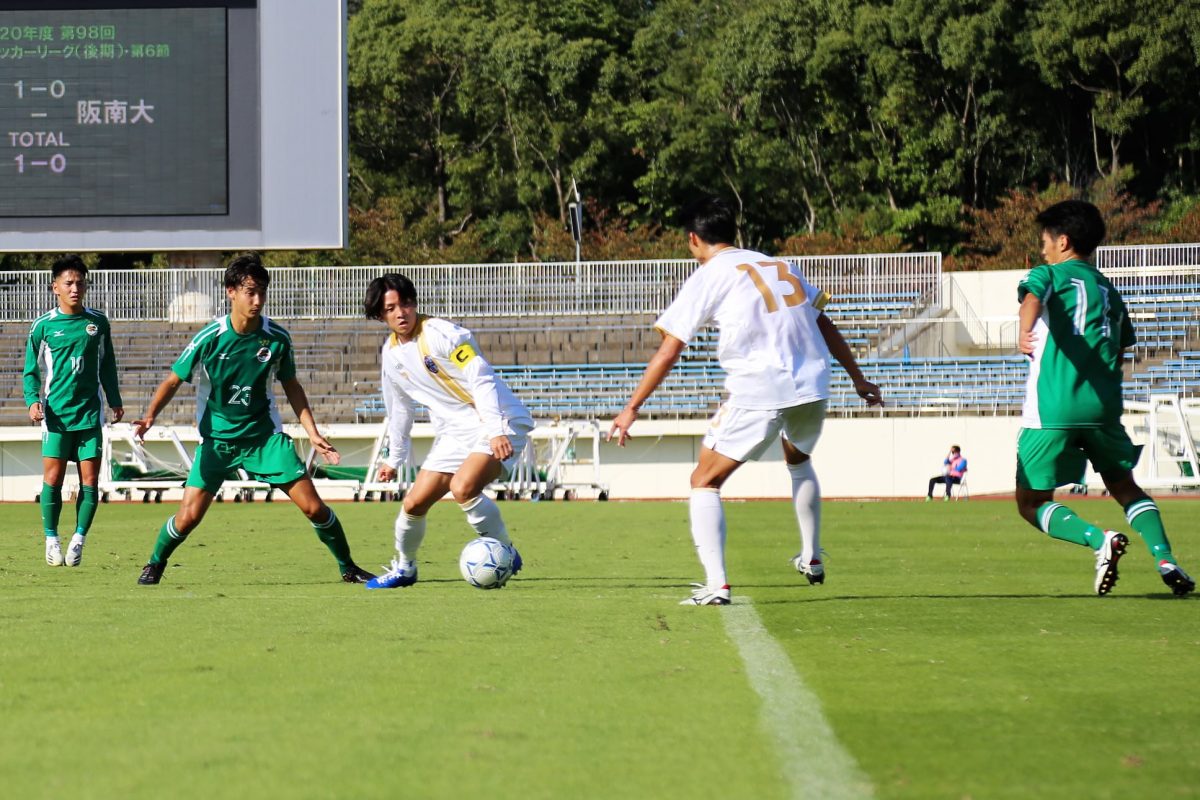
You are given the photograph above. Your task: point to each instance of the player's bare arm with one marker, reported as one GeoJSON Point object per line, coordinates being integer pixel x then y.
{"type": "Point", "coordinates": [299, 403]}
{"type": "Point", "coordinates": [1031, 310]}
{"type": "Point", "coordinates": [841, 351]}
{"type": "Point", "coordinates": [659, 367]}
{"type": "Point", "coordinates": [162, 396]}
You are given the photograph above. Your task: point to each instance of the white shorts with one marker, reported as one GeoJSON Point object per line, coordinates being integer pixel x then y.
{"type": "Point", "coordinates": [744, 434]}
{"type": "Point", "coordinates": [451, 448]}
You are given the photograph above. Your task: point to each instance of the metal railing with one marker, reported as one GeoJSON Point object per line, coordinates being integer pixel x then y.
{"type": "Point", "coordinates": [461, 290]}
{"type": "Point", "coordinates": [1158, 256]}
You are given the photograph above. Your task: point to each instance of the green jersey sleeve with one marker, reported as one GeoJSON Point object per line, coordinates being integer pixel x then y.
{"type": "Point", "coordinates": [33, 374]}
{"type": "Point", "coordinates": [287, 364]}
{"type": "Point", "coordinates": [108, 370]}
{"type": "Point", "coordinates": [1037, 282]}
{"type": "Point", "coordinates": [185, 365]}
{"type": "Point", "coordinates": [1128, 337]}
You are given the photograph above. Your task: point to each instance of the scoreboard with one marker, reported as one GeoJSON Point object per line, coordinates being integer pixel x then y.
{"type": "Point", "coordinates": [114, 112]}
{"type": "Point", "coordinates": [169, 124]}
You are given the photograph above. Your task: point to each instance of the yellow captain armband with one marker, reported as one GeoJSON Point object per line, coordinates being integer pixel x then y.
{"type": "Point", "coordinates": [822, 300]}
{"type": "Point", "coordinates": [462, 354]}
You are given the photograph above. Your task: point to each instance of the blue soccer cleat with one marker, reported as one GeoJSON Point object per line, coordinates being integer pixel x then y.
{"type": "Point", "coordinates": [398, 575]}
{"type": "Point", "coordinates": [517, 561]}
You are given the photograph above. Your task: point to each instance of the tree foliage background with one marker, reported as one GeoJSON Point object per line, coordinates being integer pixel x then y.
{"type": "Point", "coordinates": [834, 125]}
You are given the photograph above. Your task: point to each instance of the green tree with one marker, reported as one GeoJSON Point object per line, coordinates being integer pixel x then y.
{"type": "Point", "coordinates": [1119, 55]}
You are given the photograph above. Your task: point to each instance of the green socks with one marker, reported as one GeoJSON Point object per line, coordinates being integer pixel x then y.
{"type": "Point", "coordinates": [1060, 522]}
{"type": "Point", "coordinates": [85, 509]}
{"type": "Point", "coordinates": [168, 540]}
{"type": "Point", "coordinates": [330, 532]}
{"type": "Point", "coordinates": [51, 508]}
{"type": "Point", "coordinates": [1144, 518]}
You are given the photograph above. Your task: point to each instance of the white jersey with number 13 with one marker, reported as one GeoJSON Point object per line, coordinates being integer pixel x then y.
{"type": "Point", "coordinates": [770, 347]}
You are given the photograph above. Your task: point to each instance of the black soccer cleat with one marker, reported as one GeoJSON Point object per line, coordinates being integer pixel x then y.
{"type": "Point", "coordinates": [151, 574]}
{"type": "Point", "coordinates": [356, 574]}
{"type": "Point", "coordinates": [1178, 581]}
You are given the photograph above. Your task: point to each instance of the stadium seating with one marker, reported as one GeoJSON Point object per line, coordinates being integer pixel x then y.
{"type": "Point", "coordinates": [586, 366]}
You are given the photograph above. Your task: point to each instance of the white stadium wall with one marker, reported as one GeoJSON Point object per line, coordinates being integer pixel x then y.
{"type": "Point", "coordinates": [872, 457]}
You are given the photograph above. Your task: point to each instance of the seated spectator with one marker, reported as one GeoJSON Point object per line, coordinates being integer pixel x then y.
{"type": "Point", "coordinates": [953, 469]}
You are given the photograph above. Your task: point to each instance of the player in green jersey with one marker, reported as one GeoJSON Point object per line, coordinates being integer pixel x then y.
{"type": "Point", "coordinates": [1074, 328]}
{"type": "Point", "coordinates": [233, 362]}
{"type": "Point", "coordinates": [68, 361]}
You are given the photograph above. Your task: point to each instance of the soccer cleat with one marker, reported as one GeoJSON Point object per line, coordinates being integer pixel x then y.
{"type": "Point", "coordinates": [356, 574]}
{"type": "Point", "coordinates": [151, 574]}
{"type": "Point", "coordinates": [75, 551]}
{"type": "Point", "coordinates": [703, 596]}
{"type": "Point", "coordinates": [1106, 560]}
{"type": "Point", "coordinates": [814, 570]}
{"type": "Point", "coordinates": [518, 562]}
{"type": "Point", "coordinates": [54, 556]}
{"type": "Point", "coordinates": [399, 574]}
{"type": "Point", "coordinates": [1173, 576]}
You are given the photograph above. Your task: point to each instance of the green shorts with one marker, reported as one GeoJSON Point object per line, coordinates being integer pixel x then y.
{"type": "Point", "coordinates": [1049, 458]}
{"type": "Point", "coordinates": [271, 460]}
{"type": "Point", "coordinates": [73, 445]}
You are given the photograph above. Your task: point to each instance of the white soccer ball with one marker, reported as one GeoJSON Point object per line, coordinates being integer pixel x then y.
{"type": "Point", "coordinates": [486, 563]}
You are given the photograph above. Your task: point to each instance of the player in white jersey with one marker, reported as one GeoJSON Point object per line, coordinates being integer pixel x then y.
{"type": "Point", "coordinates": [775, 346]}
{"type": "Point", "coordinates": [480, 427]}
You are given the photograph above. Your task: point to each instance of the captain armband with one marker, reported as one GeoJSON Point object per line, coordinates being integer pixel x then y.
{"type": "Point", "coordinates": [462, 355]}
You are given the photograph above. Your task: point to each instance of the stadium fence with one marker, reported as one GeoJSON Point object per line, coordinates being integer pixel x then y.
{"type": "Point", "coordinates": [458, 290]}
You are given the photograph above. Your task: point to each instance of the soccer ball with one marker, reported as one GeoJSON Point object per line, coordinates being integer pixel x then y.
{"type": "Point", "coordinates": [486, 563]}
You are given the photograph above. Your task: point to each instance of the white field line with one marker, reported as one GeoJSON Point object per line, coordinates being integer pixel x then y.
{"type": "Point", "coordinates": [814, 762]}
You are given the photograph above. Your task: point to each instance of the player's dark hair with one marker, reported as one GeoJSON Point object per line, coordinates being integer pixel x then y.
{"type": "Point", "coordinates": [247, 265]}
{"type": "Point", "coordinates": [711, 218]}
{"type": "Point", "coordinates": [1078, 220]}
{"type": "Point", "coordinates": [68, 263]}
{"type": "Point", "coordinates": [392, 282]}
{"type": "Point", "coordinates": [955, 449]}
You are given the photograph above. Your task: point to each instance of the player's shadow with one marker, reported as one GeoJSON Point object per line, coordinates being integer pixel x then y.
{"type": "Point", "coordinates": [966, 596]}
{"type": "Point", "coordinates": [607, 582]}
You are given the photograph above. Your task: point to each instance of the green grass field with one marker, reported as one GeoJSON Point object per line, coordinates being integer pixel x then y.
{"type": "Point", "coordinates": [956, 653]}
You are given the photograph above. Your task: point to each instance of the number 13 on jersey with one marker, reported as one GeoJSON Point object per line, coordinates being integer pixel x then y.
{"type": "Point", "coordinates": [793, 290]}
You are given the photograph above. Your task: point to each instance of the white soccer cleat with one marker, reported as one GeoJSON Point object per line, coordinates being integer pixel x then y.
{"type": "Point", "coordinates": [1106, 560]}
{"type": "Point", "coordinates": [54, 556]}
{"type": "Point", "coordinates": [704, 596]}
{"type": "Point", "coordinates": [813, 570]}
{"type": "Point", "coordinates": [75, 551]}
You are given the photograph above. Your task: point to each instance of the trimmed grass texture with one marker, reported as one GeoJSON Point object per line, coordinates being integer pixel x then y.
{"type": "Point", "coordinates": [956, 652]}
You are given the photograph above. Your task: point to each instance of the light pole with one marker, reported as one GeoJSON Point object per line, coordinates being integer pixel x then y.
{"type": "Point", "coordinates": [575, 219]}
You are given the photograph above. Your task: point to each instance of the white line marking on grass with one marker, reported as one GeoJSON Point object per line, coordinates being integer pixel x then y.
{"type": "Point", "coordinates": [814, 762]}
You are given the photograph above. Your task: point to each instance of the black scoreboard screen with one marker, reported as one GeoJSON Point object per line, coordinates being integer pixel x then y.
{"type": "Point", "coordinates": [115, 109]}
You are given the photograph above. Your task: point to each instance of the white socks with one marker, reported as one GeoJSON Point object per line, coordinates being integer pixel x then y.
{"type": "Point", "coordinates": [708, 532]}
{"type": "Point", "coordinates": [806, 497]}
{"type": "Point", "coordinates": [484, 516]}
{"type": "Point", "coordinates": [410, 532]}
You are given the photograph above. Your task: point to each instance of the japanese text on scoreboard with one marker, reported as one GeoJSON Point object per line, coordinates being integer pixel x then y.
{"type": "Point", "coordinates": [113, 112]}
